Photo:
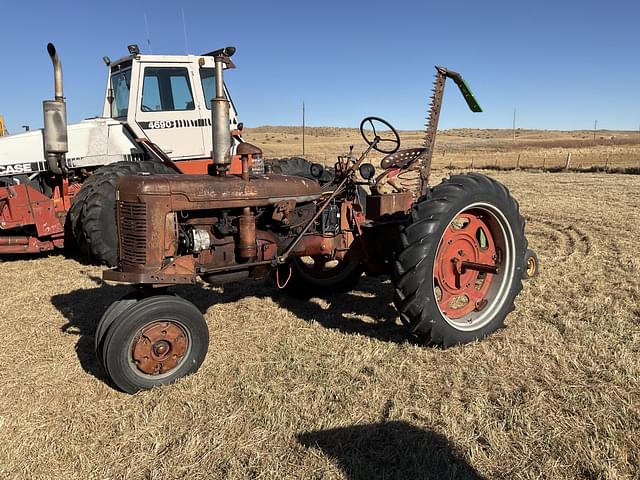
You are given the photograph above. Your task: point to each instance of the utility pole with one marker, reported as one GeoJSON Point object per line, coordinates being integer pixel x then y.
{"type": "Point", "coordinates": [514, 124]}
{"type": "Point", "coordinates": [303, 128]}
{"type": "Point", "coordinates": [184, 29]}
{"type": "Point", "coordinates": [595, 127]}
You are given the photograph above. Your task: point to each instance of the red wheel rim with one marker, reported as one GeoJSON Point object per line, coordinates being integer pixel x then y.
{"type": "Point", "coordinates": [468, 259]}
{"type": "Point", "coordinates": [159, 347]}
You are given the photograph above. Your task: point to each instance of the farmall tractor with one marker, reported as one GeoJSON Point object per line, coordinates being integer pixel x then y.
{"type": "Point", "coordinates": [456, 252]}
{"type": "Point", "coordinates": [57, 185]}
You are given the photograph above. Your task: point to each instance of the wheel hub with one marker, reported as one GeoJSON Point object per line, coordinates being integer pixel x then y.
{"type": "Point", "coordinates": [466, 261]}
{"type": "Point", "coordinates": [159, 347]}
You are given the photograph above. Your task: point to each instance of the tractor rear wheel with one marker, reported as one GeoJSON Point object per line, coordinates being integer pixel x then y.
{"type": "Point", "coordinates": [154, 342]}
{"type": "Point", "coordinates": [93, 214]}
{"type": "Point", "coordinates": [460, 263]}
{"type": "Point", "coordinates": [318, 276]}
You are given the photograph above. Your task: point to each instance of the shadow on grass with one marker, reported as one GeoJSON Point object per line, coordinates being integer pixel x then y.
{"type": "Point", "coordinates": [390, 450]}
{"type": "Point", "coordinates": [83, 309]}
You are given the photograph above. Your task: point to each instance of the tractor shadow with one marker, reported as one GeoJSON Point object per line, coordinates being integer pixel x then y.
{"type": "Point", "coordinates": [386, 450]}
{"type": "Point", "coordinates": [365, 311]}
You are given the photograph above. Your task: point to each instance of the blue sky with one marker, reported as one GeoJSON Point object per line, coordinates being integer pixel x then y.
{"type": "Point", "coordinates": [562, 65]}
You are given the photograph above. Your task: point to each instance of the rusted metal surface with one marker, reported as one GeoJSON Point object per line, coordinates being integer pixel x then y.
{"type": "Point", "coordinates": [246, 148]}
{"type": "Point", "coordinates": [200, 192]}
{"type": "Point", "coordinates": [132, 226]}
{"type": "Point", "coordinates": [247, 248]}
{"type": "Point", "coordinates": [464, 265]}
{"type": "Point", "coordinates": [23, 207]}
{"type": "Point", "coordinates": [282, 210]}
{"type": "Point", "coordinates": [478, 267]}
{"type": "Point", "coordinates": [388, 204]}
{"type": "Point", "coordinates": [432, 128]}
{"type": "Point", "coordinates": [247, 153]}
{"type": "Point", "coordinates": [159, 347]}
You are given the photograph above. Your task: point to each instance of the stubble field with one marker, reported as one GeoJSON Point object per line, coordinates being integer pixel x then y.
{"type": "Point", "coordinates": [335, 388]}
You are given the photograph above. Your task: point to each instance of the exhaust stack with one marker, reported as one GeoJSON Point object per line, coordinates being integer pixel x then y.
{"type": "Point", "coordinates": [55, 119]}
{"type": "Point", "coordinates": [221, 153]}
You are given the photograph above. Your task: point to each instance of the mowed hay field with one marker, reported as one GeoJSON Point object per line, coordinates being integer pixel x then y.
{"type": "Point", "coordinates": [335, 388]}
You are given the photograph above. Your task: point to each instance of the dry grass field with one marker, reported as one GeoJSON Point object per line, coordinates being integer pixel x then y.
{"type": "Point", "coordinates": [468, 147]}
{"type": "Point", "coordinates": [334, 388]}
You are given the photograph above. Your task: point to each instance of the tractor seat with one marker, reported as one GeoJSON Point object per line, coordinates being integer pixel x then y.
{"type": "Point", "coordinates": [403, 158]}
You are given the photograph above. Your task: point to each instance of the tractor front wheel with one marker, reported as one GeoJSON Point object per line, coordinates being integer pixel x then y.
{"type": "Point", "coordinates": [109, 316]}
{"type": "Point", "coordinates": [154, 342]}
{"type": "Point", "coordinates": [460, 263]}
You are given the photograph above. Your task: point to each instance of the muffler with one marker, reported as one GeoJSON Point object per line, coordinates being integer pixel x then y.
{"type": "Point", "coordinates": [220, 116]}
{"type": "Point", "coordinates": [55, 120]}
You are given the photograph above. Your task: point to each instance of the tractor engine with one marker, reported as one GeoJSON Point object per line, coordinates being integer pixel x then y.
{"type": "Point", "coordinates": [174, 228]}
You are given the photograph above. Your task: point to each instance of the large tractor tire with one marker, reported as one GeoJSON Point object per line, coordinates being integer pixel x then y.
{"type": "Point", "coordinates": [460, 262]}
{"type": "Point", "coordinates": [93, 213]}
{"type": "Point", "coordinates": [153, 342]}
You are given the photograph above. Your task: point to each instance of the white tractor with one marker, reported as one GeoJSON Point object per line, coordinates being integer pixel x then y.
{"type": "Point", "coordinates": [57, 184]}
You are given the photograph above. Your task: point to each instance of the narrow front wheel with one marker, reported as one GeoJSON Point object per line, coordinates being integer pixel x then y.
{"type": "Point", "coordinates": [155, 342]}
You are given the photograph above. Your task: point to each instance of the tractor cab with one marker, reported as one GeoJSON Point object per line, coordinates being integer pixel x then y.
{"type": "Point", "coordinates": [167, 100]}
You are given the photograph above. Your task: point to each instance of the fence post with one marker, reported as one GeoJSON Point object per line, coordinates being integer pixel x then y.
{"type": "Point", "coordinates": [606, 162]}
{"type": "Point", "coordinates": [544, 161]}
{"type": "Point", "coordinates": [471, 162]}
{"type": "Point", "coordinates": [568, 162]}
{"type": "Point", "coordinates": [518, 163]}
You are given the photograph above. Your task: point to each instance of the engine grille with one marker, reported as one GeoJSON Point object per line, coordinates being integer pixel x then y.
{"type": "Point", "coordinates": [132, 222]}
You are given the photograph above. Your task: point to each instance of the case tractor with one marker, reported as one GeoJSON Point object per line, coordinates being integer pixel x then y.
{"type": "Point", "coordinates": [456, 252]}
{"type": "Point", "coordinates": [57, 184]}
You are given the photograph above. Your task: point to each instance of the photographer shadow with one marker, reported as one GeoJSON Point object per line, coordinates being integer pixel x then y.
{"type": "Point", "coordinates": [388, 450]}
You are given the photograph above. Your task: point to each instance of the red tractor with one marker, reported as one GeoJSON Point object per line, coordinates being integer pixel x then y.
{"type": "Point", "coordinates": [456, 252]}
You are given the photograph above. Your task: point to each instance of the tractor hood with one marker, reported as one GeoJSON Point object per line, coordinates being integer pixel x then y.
{"type": "Point", "coordinates": [197, 192]}
{"type": "Point", "coordinates": [92, 142]}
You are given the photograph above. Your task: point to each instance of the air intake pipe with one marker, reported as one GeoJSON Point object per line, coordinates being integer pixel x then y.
{"type": "Point", "coordinates": [55, 120]}
{"type": "Point", "coordinates": [220, 121]}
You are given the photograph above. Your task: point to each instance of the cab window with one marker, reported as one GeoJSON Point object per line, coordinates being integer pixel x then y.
{"type": "Point", "coordinates": [208, 79]}
{"type": "Point", "coordinates": [166, 89]}
{"type": "Point", "coordinates": [120, 83]}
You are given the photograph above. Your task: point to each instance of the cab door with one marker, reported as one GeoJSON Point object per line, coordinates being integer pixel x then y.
{"type": "Point", "coordinates": [167, 110]}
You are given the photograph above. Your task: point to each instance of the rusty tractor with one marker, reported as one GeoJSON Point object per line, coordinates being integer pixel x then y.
{"type": "Point", "coordinates": [456, 252]}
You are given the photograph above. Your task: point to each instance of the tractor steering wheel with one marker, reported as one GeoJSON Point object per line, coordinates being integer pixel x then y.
{"type": "Point", "coordinates": [393, 140]}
